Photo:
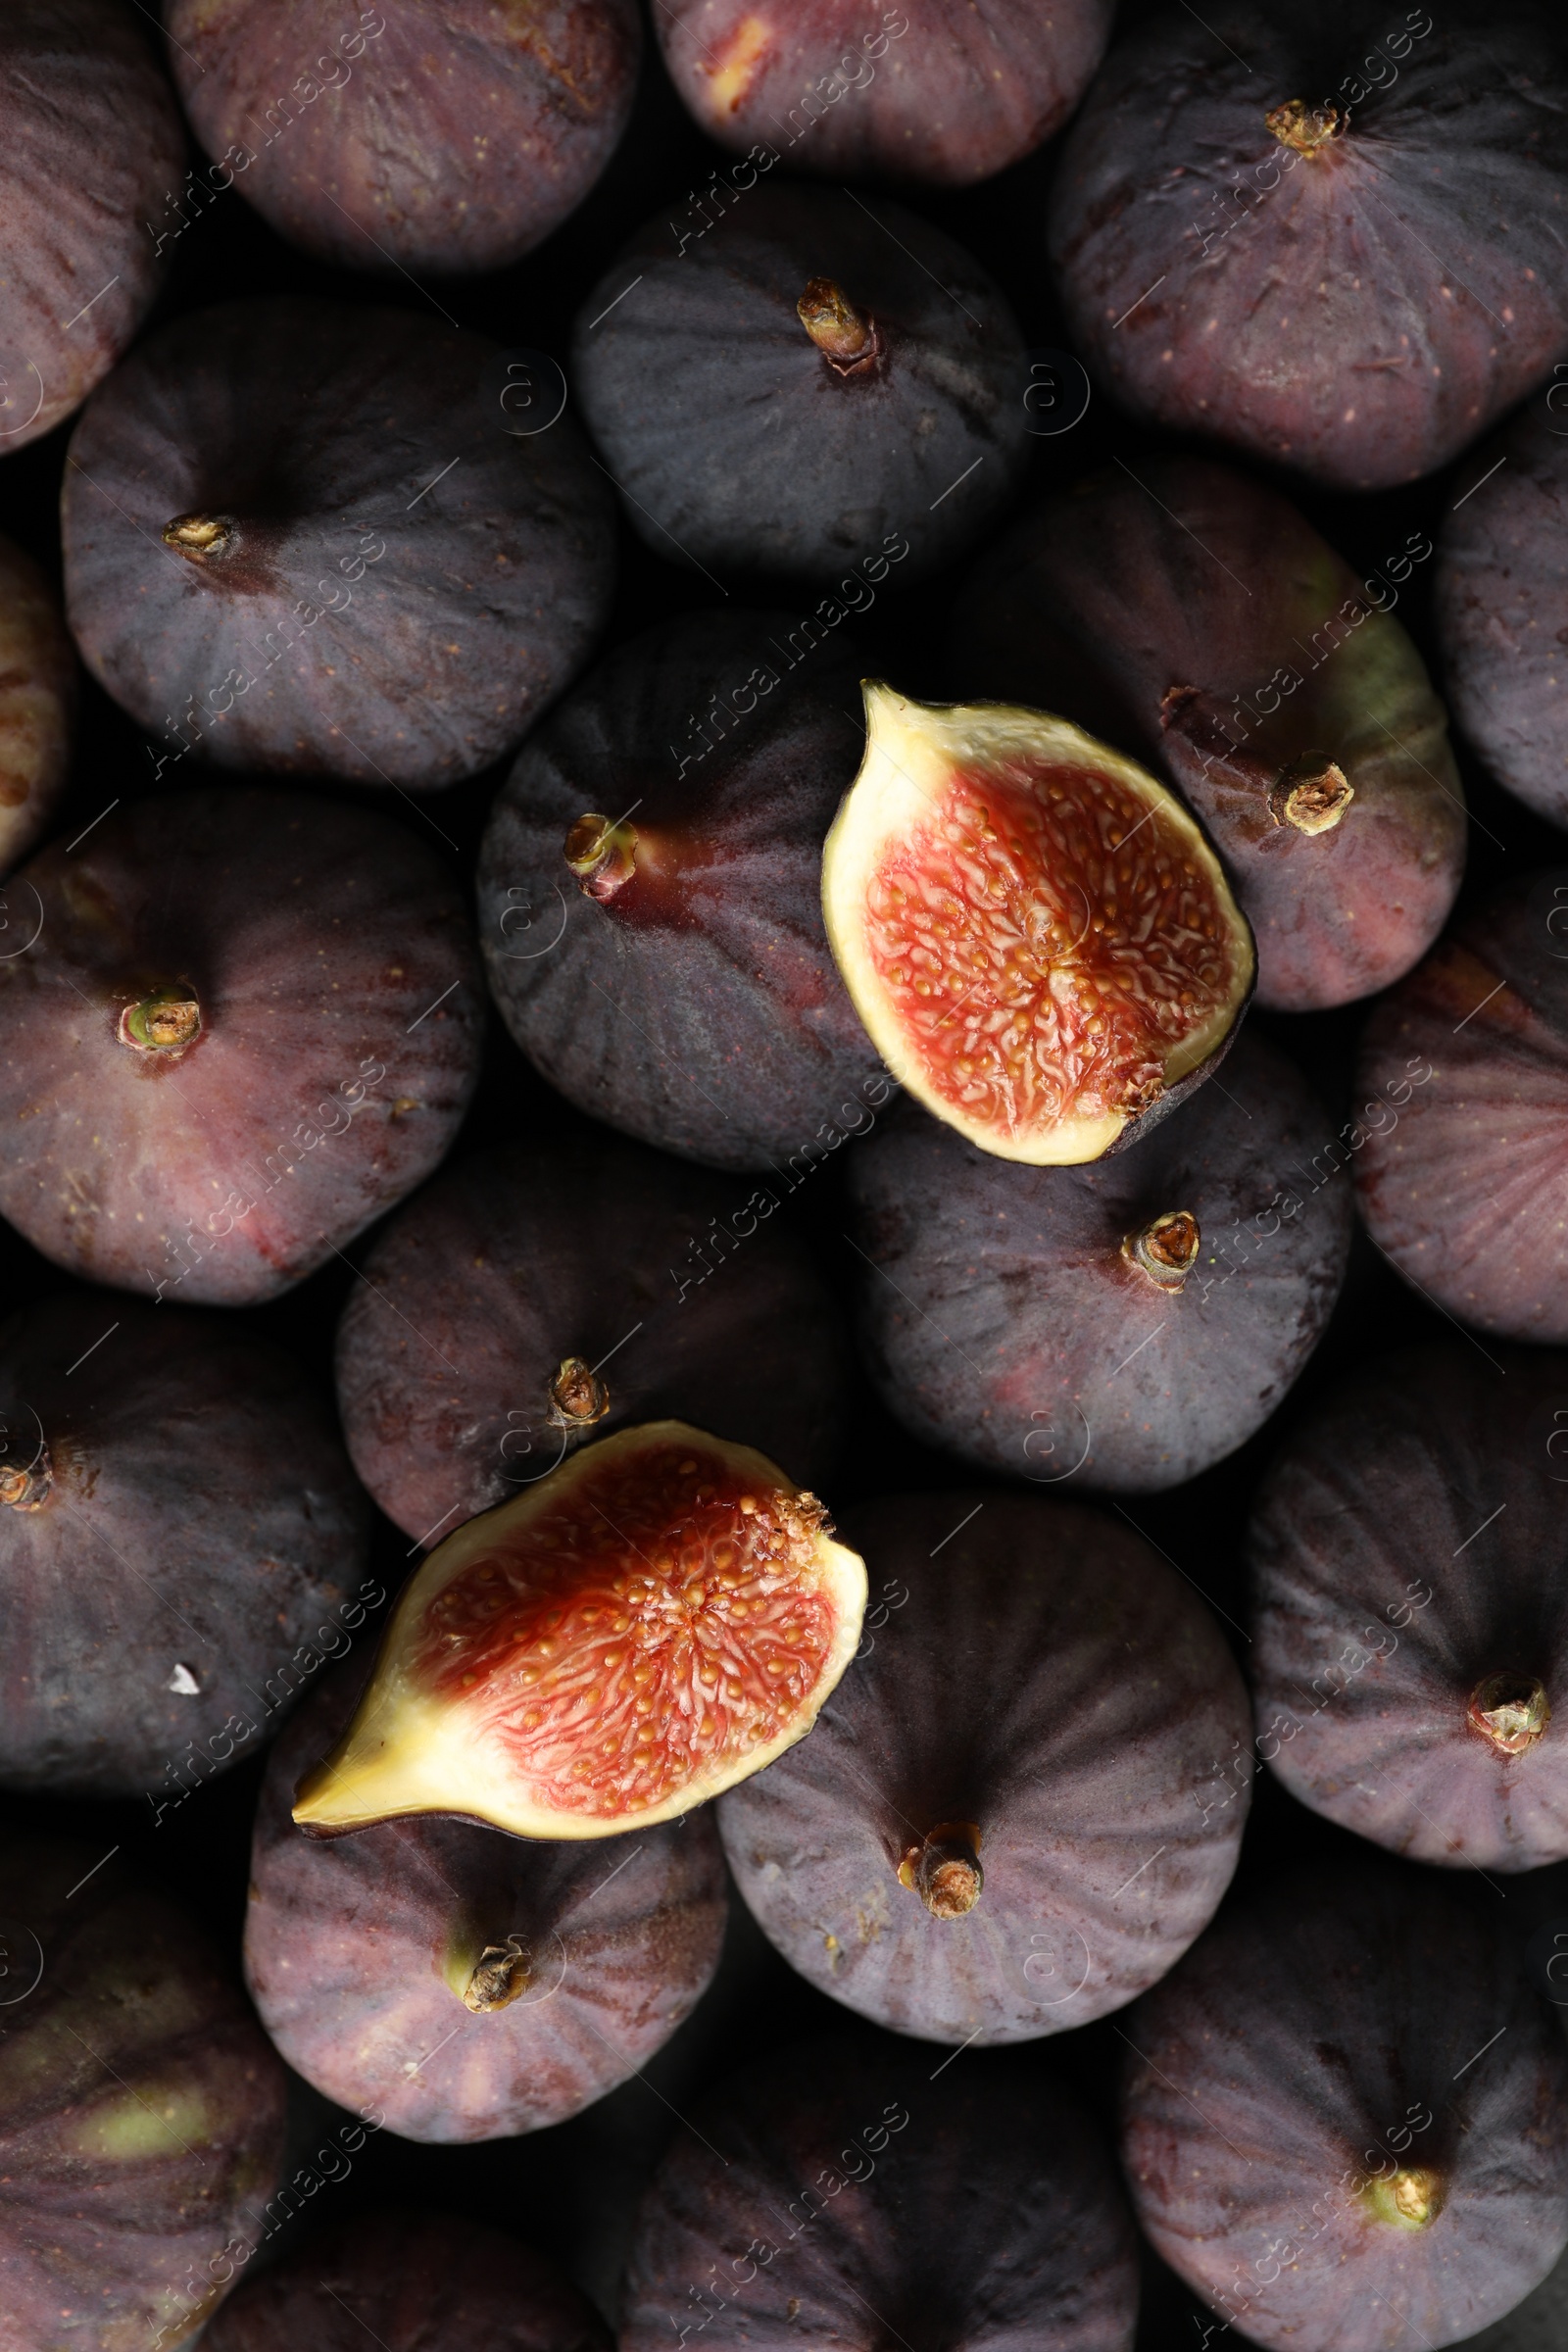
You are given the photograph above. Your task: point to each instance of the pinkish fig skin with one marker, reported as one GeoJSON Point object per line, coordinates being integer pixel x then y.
{"type": "Point", "coordinates": [365, 1953]}
{"type": "Point", "coordinates": [543, 1294]}
{"type": "Point", "coordinates": [1464, 1187]}
{"type": "Point", "coordinates": [176, 1517]}
{"type": "Point", "coordinates": [315, 1007]}
{"type": "Point", "coordinates": [1411, 1608]}
{"type": "Point", "coordinates": [440, 135]}
{"type": "Point", "coordinates": [412, 2282]}
{"type": "Point", "coordinates": [1195, 619]}
{"type": "Point", "coordinates": [38, 704]}
{"type": "Point", "coordinates": [947, 91]}
{"type": "Point", "coordinates": [680, 984]}
{"type": "Point", "coordinates": [1502, 607]}
{"type": "Point", "coordinates": [1348, 2040]}
{"type": "Point", "coordinates": [1334, 240]}
{"type": "Point", "coordinates": [92, 143]}
{"type": "Point", "coordinates": [1123, 1324]}
{"type": "Point", "coordinates": [1040, 1685]}
{"type": "Point", "coordinates": [300, 537]}
{"type": "Point", "coordinates": [971, 2210]}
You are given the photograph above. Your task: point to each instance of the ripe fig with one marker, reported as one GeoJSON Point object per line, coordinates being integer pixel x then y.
{"type": "Point", "coordinates": [1016, 1811]}
{"type": "Point", "coordinates": [262, 467]}
{"type": "Point", "coordinates": [1346, 2117]}
{"type": "Point", "coordinates": [858, 377]}
{"type": "Point", "coordinates": [467, 1984]}
{"type": "Point", "coordinates": [448, 138]}
{"type": "Point", "coordinates": [1502, 610]}
{"type": "Point", "coordinates": [1044, 987]}
{"type": "Point", "coordinates": [92, 143]}
{"type": "Point", "coordinates": [543, 1293]}
{"type": "Point", "coordinates": [37, 705]}
{"type": "Point", "coordinates": [1195, 619]}
{"type": "Point", "coordinates": [1330, 238]}
{"type": "Point", "coordinates": [157, 1573]}
{"type": "Point", "coordinates": [977, 2208]}
{"type": "Point", "coordinates": [1126, 1324]}
{"type": "Point", "coordinates": [978, 87]}
{"type": "Point", "coordinates": [653, 937]}
{"type": "Point", "coordinates": [1463, 1180]}
{"type": "Point", "coordinates": [142, 2111]}
{"type": "Point", "coordinates": [207, 967]}
{"type": "Point", "coordinates": [662, 1615]}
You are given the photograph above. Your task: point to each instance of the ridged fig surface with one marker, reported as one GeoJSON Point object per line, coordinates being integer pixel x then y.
{"type": "Point", "coordinates": [1335, 238]}
{"type": "Point", "coordinates": [38, 707]}
{"type": "Point", "coordinates": [1037, 1688]}
{"type": "Point", "coordinates": [839, 2193]}
{"type": "Point", "coordinates": [302, 537]}
{"type": "Point", "coordinates": [317, 962]}
{"type": "Point", "coordinates": [1120, 1325]}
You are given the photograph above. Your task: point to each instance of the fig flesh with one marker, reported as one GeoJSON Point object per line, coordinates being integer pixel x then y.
{"type": "Point", "coordinates": [37, 708]}
{"type": "Point", "coordinates": [1125, 1325]}
{"type": "Point", "coordinates": [662, 1615]}
{"type": "Point", "coordinates": [1197, 620]}
{"type": "Point", "coordinates": [1010, 1818]}
{"type": "Point", "coordinates": [469, 1986]}
{"type": "Point", "coordinates": [1039, 984]}
{"type": "Point", "coordinates": [211, 974]}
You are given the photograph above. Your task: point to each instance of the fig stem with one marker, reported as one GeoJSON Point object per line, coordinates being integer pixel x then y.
{"type": "Point", "coordinates": [1409, 2198]}
{"type": "Point", "coordinates": [1305, 128]}
{"type": "Point", "coordinates": [579, 1397]}
{"type": "Point", "coordinates": [944, 1870]}
{"type": "Point", "coordinates": [1312, 793]}
{"type": "Point", "coordinates": [199, 535]}
{"type": "Point", "coordinates": [28, 1486]}
{"type": "Point", "coordinates": [1165, 1248]}
{"type": "Point", "coordinates": [840, 333]}
{"type": "Point", "coordinates": [502, 1972]}
{"type": "Point", "coordinates": [1510, 1710]}
{"type": "Point", "coordinates": [601, 852]}
{"type": "Point", "coordinates": [164, 1021]}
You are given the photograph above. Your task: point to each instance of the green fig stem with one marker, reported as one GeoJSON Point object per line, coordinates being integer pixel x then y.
{"type": "Point", "coordinates": [603, 854]}
{"type": "Point", "coordinates": [1305, 128]}
{"type": "Point", "coordinates": [1410, 2200]}
{"type": "Point", "coordinates": [840, 333]}
{"type": "Point", "coordinates": [579, 1397]}
{"type": "Point", "coordinates": [200, 535]}
{"type": "Point", "coordinates": [1312, 793]}
{"type": "Point", "coordinates": [164, 1021]}
{"type": "Point", "coordinates": [25, 1489]}
{"type": "Point", "coordinates": [1509, 1710]}
{"type": "Point", "coordinates": [502, 1972]}
{"type": "Point", "coordinates": [1165, 1248]}
{"type": "Point", "coordinates": [944, 1870]}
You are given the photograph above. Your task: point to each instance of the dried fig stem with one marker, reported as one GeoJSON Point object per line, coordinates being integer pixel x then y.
{"type": "Point", "coordinates": [579, 1397]}
{"type": "Point", "coordinates": [603, 854]}
{"type": "Point", "coordinates": [1312, 793]}
{"type": "Point", "coordinates": [25, 1487]}
{"type": "Point", "coordinates": [1305, 128]}
{"type": "Point", "coordinates": [1509, 1710]}
{"type": "Point", "coordinates": [1165, 1248]}
{"type": "Point", "coordinates": [164, 1021]}
{"type": "Point", "coordinates": [200, 535]}
{"type": "Point", "coordinates": [1409, 2198]}
{"type": "Point", "coordinates": [840, 333]}
{"type": "Point", "coordinates": [502, 1972]}
{"type": "Point", "coordinates": [944, 1870]}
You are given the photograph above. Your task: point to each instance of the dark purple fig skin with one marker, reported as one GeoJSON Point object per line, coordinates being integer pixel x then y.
{"type": "Point", "coordinates": [92, 143]}
{"type": "Point", "coordinates": [415, 2282]}
{"type": "Point", "coordinates": [1410, 1544]}
{"type": "Point", "coordinates": [581, 1246]}
{"type": "Point", "coordinates": [1289, 2059]}
{"type": "Point", "coordinates": [38, 702]}
{"type": "Point", "coordinates": [357, 1950]}
{"type": "Point", "coordinates": [1360, 312]}
{"type": "Point", "coordinates": [183, 1503]}
{"type": "Point", "coordinates": [330, 958]}
{"type": "Point", "coordinates": [698, 1007]}
{"type": "Point", "coordinates": [796, 469]}
{"type": "Point", "coordinates": [1502, 607]}
{"type": "Point", "coordinates": [1166, 613]}
{"type": "Point", "coordinates": [439, 135]}
{"type": "Point", "coordinates": [363, 619]}
{"type": "Point", "coordinates": [1004, 1322]}
{"type": "Point", "coordinates": [978, 2210]}
{"type": "Point", "coordinates": [981, 83]}
{"type": "Point", "coordinates": [1033, 1669]}
{"type": "Point", "coordinates": [141, 2110]}
{"type": "Point", "coordinates": [1467, 1191]}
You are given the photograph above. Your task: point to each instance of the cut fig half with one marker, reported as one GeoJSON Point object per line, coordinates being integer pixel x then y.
{"type": "Point", "coordinates": [1035, 931]}
{"type": "Point", "coordinates": [658, 1618]}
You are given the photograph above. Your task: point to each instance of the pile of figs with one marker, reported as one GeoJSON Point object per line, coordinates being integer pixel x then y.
{"type": "Point", "coordinates": [783, 1175]}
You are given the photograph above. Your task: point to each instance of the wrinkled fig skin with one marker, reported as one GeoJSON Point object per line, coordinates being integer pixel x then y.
{"type": "Point", "coordinates": [182, 1502]}
{"type": "Point", "coordinates": [339, 1005]}
{"type": "Point", "coordinates": [38, 704]}
{"type": "Point", "coordinates": [1407, 1550]}
{"type": "Point", "coordinates": [358, 1950]}
{"type": "Point", "coordinates": [354, 617]}
{"type": "Point", "coordinates": [1503, 608]}
{"type": "Point", "coordinates": [977, 2209]}
{"type": "Point", "coordinates": [1466, 1189]}
{"type": "Point", "coordinates": [414, 2282]}
{"type": "Point", "coordinates": [589, 1251]}
{"type": "Point", "coordinates": [1037, 1674]}
{"type": "Point", "coordinates": [141, 2110]}
{"type": "Point", "coordinates": [1273, 2112]}
{"type": "Point", "coordinates": [432, 135]}
{"type": "Point", "coordinates": [1359, 308]}
{"type": "Point", "coordinates": [1113, 598]}
{"type": "Point", "coordinates": [78, 87]}
{"type": "Point", "coordinates": [743, 448]}
{"type": "Point", "coordinates": [942, 92]}
{"type": "Point", "coordinates": [697, 1006]}
{"type": "Point", "coordinates": [1007, 1322]}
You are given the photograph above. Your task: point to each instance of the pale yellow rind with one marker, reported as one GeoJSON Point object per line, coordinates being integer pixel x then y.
{"type": "Point", "coordinates": [912, 753]}
{"type": "Point", "coordinates": [407, 1753]}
